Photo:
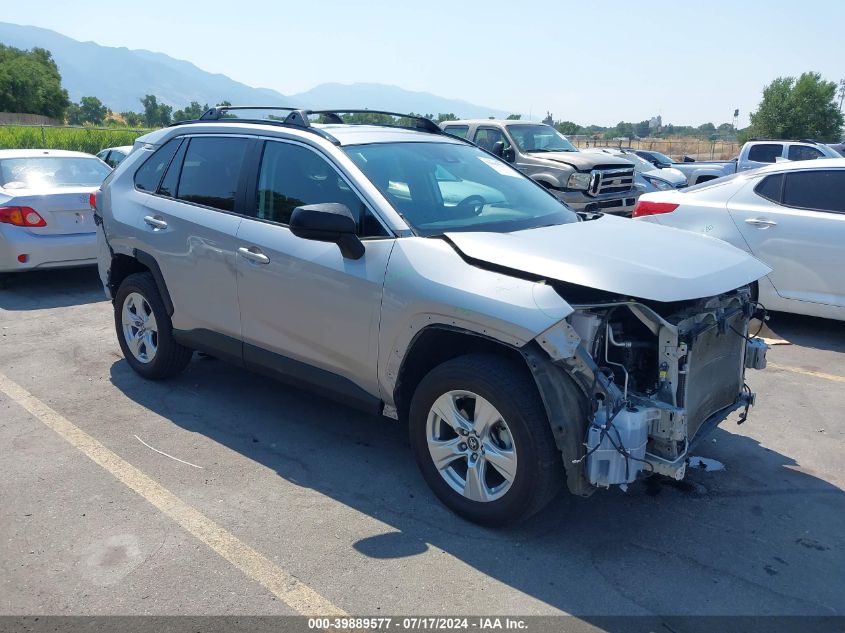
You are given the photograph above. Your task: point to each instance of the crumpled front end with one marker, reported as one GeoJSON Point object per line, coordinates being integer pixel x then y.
{"type": "Point", "coordinates": [657, 377]}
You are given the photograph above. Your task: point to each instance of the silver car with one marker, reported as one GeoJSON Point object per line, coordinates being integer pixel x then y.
{"type": "Point", "coordinates": [45, 217]}
{"type": "Point", "coordinates": [113, 156]}
{"type": "Point", "coordinates": [409, 273]}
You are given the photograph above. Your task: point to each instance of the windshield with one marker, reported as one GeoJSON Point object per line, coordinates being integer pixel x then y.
{"type": "Point", "coordinates": [660, 157]}
{"type": "Point", "coordinates": [539, 138]}
{"type": "Point", "coordinates": [441, 187]}
{"type": "Point", "coordinates": [51, 171]}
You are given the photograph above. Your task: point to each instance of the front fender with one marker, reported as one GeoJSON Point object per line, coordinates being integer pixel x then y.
{"type": "Point", "coordinates": [556, 180]}
{"type": "Point", "coordinates": [429, 283]}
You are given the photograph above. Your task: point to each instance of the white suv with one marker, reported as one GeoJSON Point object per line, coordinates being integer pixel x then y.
{"type": "Point", "coordinates": [409, 273]}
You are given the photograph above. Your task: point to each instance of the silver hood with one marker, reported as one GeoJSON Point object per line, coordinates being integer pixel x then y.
{"type": "Point", "coordinates": [582, 161]}
{"type": "Point", "coordinates": [621, 256]}
{"type": "Point", "coordinates": [669, 174]}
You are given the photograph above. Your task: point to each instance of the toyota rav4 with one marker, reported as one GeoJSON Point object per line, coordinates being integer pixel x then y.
{"type": "Point", "coordinates": [409, 273]}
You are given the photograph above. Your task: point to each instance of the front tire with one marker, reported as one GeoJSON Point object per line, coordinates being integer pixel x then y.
{"type": "Point", "coordinates": [144, 330]}
{"type": "Point", "coordinates": [482, 440]}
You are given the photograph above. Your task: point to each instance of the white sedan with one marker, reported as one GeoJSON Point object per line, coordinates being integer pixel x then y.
{"type": "Point", "coordinates": [789, 215]}
{"type": "Point", "coordinates": [46, 219]}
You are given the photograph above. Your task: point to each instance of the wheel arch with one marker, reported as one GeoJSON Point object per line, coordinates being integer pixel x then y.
{"type": "Point", "coordinates": [139, 262]}
{"type": "Point", "coordinates": [435, 344]}
{"type": "Point", "coordinates": [564, 402]}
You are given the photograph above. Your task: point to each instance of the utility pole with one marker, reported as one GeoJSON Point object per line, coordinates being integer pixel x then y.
{"type": "Point", "coordinates": [841, 93]}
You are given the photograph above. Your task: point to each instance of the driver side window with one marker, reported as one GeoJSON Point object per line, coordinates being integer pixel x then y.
{"type": "Point", "coordinates": [292, 176]}
{"type": "Point", "coordinates": [487, 137]}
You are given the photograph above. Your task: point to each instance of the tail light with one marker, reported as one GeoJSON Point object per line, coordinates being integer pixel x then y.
{"type": "Point", "coordinates": [647, 207]}
{"type": "Point", "coordinates": [92, 200]}
{"type": "Point", "coordinates": [21, 216]}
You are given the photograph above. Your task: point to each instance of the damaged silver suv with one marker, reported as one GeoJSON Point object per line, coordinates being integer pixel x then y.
{"type": "Point", "coordinates": [409, 273]}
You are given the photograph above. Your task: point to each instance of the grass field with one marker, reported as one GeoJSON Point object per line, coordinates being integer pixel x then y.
{"type": "Point", "coordinates": [90, 140]}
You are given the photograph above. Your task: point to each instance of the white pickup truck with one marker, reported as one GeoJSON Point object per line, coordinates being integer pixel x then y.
{"type": "Point", "coordinates": [753, 154]}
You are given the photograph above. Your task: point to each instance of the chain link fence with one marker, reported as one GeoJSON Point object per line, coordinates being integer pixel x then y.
{"type": "Point", "coordinates": [698, 149]}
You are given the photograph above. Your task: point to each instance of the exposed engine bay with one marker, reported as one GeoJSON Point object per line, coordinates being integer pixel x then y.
{"type": "Point", "coordinates": [658, 376]}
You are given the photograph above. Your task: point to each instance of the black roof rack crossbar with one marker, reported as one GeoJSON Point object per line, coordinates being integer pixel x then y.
{"type": "Point", "coordinates": [421, 123]}
{"type": "Point", "coordinates": [293, 116]}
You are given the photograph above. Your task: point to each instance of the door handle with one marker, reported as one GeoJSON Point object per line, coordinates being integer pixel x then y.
{"type": "Point", "coordinates": [155, 222]}
{"type": "Point", "coordinates": [253, 254]}
{"type": "Point", "coordinates": [761, 223]}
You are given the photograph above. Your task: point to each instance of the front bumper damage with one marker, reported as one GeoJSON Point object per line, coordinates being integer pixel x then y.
{"type": "Point", "coordinates": [651, 385]}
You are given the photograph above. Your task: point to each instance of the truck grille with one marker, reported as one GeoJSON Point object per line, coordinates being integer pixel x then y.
{"type": "Point", "coordinates": [716, 361]}
{"type": "Point", "coordinates": [613, 180]}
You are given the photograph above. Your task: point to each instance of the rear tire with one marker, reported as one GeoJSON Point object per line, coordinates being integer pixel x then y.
{"type": "Point", "coordinates": [509, 424]}
{"type": "Point", "coordinates": [144, 329]}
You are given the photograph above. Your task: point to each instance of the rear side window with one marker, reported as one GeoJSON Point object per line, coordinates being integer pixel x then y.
{"type": "Point", "coordinates": [765, 153]}
{"type": "Point", "coordinates": [171, 178]}
{"type": "Point", "coordinates": [457, 130]}
{"type": "Point", "coordinates": [770, 187]}
{"type": "Point", "coordinates": [211, 171]}
{"type": "Point", "coordinates": [802, 152]}
{"type": "Point", "coordinates": [149, 176]}
{"type": "Point", "coordinates": [820, 190]}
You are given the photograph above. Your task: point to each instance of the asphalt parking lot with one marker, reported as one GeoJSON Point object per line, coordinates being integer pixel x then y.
{"type": "Point", "coordinates": [284, 503]}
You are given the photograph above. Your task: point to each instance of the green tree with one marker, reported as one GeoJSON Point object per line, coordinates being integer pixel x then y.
{"type": "Point", "coordinates": [622, 129]}
{"type": "Point", "coordinates": [193, 111]}
{"type": "Point", "coordinates": [93, 111]}
{"type": "Point", "coordinates": [642, 129]}
{"type": "Point", "coordinates": [514, 117]}
{"type": "Point", "coordinates": [446, 116]}
{"type": "Point", "coordinates": [133, 119]}
{"type": "Point", "coordinates": [30, 82]}
{"type": "Point", "coordinates": [156, 114]}
{"type": "Point", "coordinates": [73, 115]}
{"type": "Point", "coordinates": [567, 128]}
{"type": "Point", "coordinates": [798, 108]}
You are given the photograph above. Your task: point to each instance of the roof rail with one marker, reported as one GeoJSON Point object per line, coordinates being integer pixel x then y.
{"type": "Point", "coordinates": [786, 140]}
{"type": "Point", "coordinates": [299, 118]}
{"type": "Point", "coordinates": [295, 117]}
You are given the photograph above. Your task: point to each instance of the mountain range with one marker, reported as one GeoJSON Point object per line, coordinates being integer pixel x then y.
{"type": "Point", "coordinates": [119, 77]}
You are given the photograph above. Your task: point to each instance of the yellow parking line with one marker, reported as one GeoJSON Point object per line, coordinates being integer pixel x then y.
{"type": "Point", "coordinates": [808, 372]}
{"type": "Point", "coordinates": [280, 583]}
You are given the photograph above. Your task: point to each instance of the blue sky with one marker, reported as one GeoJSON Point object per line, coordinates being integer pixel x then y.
{"type": "Point", "coordinates": [587, 61]}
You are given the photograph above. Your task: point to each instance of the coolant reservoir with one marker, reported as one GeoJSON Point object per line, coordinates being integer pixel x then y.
{"type": "Point", "coordinates": [608, 464]}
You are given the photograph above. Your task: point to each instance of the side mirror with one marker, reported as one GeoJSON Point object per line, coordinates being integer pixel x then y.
{"type": "Point", "coordinates": [499, 149]}
{"type": "Point", "coordinates": [688, 159]}
{"type": "Point", "coordinates": [328, 222]}
{"type": "Point", "coordinates": [509, 154]}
